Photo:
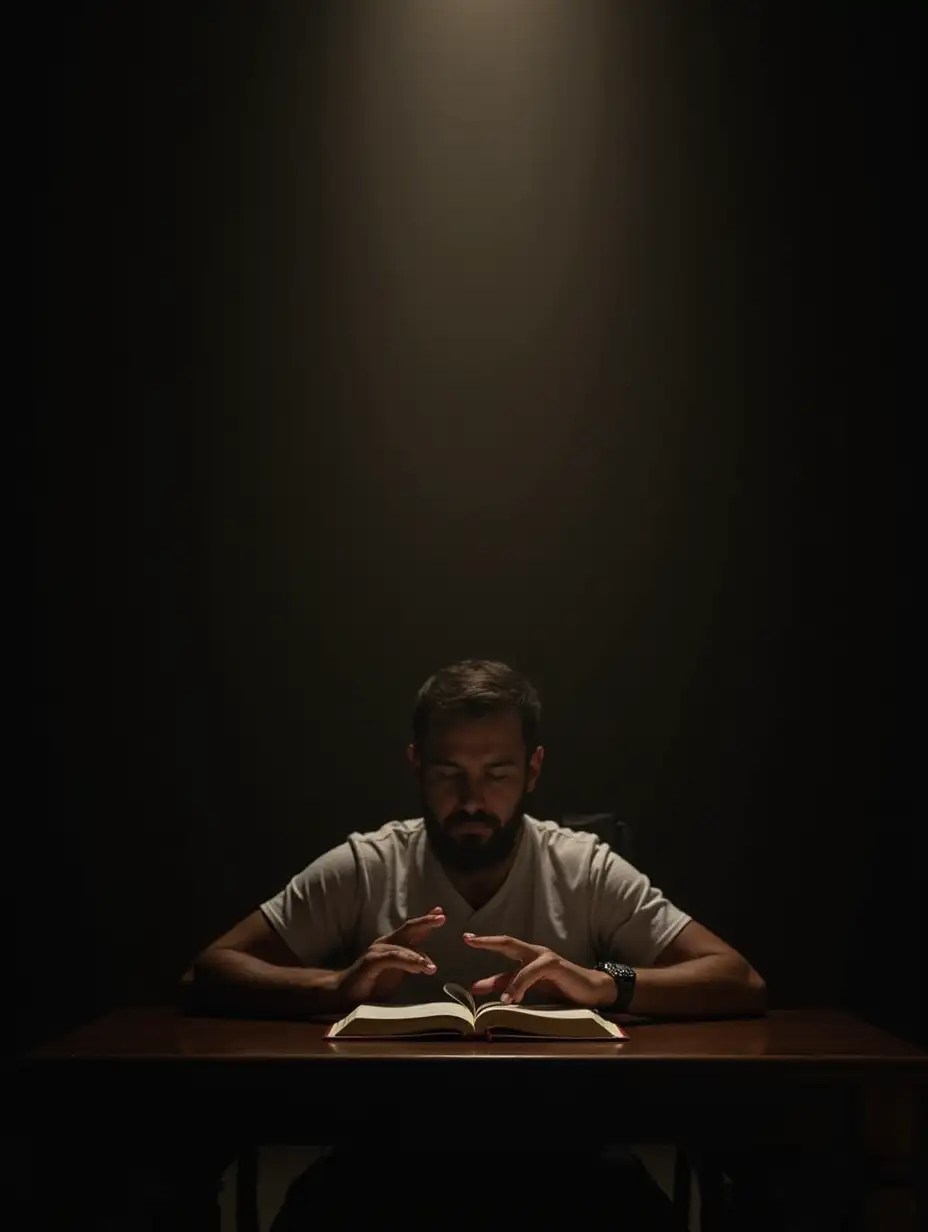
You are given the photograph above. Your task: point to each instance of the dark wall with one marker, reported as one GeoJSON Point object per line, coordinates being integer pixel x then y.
{"type": "Point", "coordinates": [374, 336]}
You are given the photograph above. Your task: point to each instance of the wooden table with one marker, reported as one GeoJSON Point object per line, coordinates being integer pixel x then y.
{"type": "Point", "coordinates": [820, 1078]}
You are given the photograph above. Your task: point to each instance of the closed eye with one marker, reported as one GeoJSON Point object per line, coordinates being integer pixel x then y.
{"type": "Point", "coordinates": [495, 774]}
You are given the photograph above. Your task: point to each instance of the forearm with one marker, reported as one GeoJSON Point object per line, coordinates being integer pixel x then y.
{"type": "Point", "coordinates": [228, 981]}
{"type": "Point", "coordinates": [712, 984]}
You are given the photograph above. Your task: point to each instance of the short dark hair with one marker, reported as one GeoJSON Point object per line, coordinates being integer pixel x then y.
{"type": "Point", "coordinates": [472, 688]}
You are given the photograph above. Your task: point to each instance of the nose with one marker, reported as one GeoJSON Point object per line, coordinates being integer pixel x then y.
{"type": "Point", "coordinates": [470, 797]}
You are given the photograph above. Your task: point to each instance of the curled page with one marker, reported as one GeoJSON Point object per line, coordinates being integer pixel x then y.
{"type": "Point", "coordinates": [460, 993]}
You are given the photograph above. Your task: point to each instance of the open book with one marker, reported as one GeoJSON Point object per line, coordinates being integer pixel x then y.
{"type": "Point", "coordinates": [460, 1014]}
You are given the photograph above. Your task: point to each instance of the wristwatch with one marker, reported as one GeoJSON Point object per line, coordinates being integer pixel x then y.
{"type": "Point", "coordinates": [624, 985]}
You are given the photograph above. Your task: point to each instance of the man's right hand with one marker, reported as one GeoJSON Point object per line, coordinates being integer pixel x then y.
{"type": "Point", "coordinates": [376, 975]}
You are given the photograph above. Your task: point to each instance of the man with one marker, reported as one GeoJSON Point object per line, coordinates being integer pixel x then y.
{"type": "Point", "coordinates": [476, 892]}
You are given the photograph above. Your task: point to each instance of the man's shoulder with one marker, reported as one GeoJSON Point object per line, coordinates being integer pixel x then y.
{"type": "Point", "coordinates": [580, 856]}
{"type": "Point", "coordinates": [560, 843]}
{"type": "Point", "coordinates": [393, 835]}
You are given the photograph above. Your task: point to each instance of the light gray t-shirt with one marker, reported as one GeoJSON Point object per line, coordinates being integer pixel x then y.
{"type": "Point", "coordinates": [566, 890]}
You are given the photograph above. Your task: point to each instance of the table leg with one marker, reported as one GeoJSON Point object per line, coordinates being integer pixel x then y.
{"type": "Point", "coordinates": [188, 1178]}
{"type": "Point", "coordinates": [246, 1189]}
{"type": "Point", "coordinates": [891, 1131]}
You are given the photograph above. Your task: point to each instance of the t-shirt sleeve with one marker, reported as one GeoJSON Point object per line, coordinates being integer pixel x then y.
{"type": "Point", "coordinates": [632, 921]}
{"type": "Point", "coordinates": [317, 911]}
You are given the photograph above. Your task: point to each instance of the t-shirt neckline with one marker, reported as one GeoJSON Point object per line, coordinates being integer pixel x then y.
{"type": "Point", "coordinates": [523, 855]}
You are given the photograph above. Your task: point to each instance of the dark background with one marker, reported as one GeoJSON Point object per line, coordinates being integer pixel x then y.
{"type": "Point", "coordinates": [370, 336]}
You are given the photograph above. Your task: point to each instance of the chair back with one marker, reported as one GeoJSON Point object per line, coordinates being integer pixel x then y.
{"type": "Point", "coordinates": [607, 827]}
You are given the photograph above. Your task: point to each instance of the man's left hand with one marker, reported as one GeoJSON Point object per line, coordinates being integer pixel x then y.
{"type": "Point", "coordinates": [542, 970]}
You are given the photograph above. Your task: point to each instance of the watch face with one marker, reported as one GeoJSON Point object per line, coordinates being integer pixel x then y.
{"type": "Point", "coordinates": [624, 978]}
{"type": "Point", "coordinates": [618, 971]}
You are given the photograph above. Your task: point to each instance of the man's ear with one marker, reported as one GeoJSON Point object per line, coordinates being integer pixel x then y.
{"type": "Point", "coordinates": [534, 768]}
{"type": "Point", "coordinates": [412, 756]}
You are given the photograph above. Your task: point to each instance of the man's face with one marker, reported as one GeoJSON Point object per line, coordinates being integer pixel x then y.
{"type": "Point", "coordinates": [474, 777]}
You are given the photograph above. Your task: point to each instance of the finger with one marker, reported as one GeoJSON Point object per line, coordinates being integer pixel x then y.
{"type": "Point", "coordinates": [511, 947]}
{"type": "Point", "coordinates": [532, 973]}
{"type": "Point", "coordinates": [398, 962]}
{"type": "Point", "coordinates": [397, 955]}
{"type": "Point", "coordinates": [492, 984]}
{"type": "Point", "coordinates": [403, 951]}
{"type": "Point", "coordinates": [418, 928]}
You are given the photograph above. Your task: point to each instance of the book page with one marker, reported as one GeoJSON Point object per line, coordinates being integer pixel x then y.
{"type": "Point", "coordinates": [576, 1022]}
{"type": "Point", "coordinates": [568, 1012]}
{"type": "Point", "coordinates": [399, 1013]}
{"type": "Point", "coordinates": [461, 995]}
{"type": "Point", "coordinates": [404, 1019]}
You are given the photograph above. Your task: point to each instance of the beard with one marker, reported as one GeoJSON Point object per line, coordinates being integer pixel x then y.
{"type": "Point", "coordinates": [468, 852]}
